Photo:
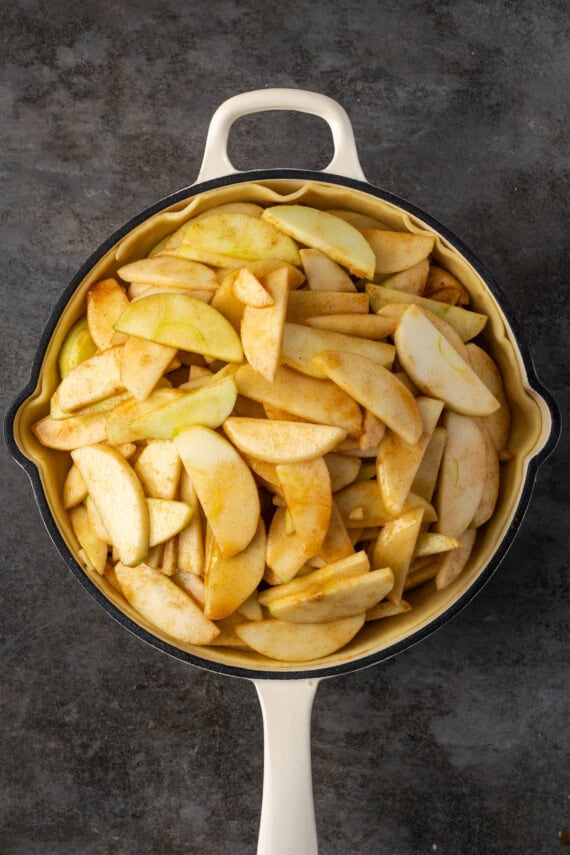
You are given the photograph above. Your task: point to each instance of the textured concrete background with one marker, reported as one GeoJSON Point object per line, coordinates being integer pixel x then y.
{"type": "Point", "coordinates": [459, 746]}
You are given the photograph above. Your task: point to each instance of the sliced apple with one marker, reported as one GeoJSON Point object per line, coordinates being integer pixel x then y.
{"type": "Point", "coordinates": [498, 423]}
{"type": "Point", "coordinates": [158, 468]}
{"type": "Point", "coordinates": [227, 303]}
{"type": "Point", "coordinates": [425, 479]}
{"type": "Point", "coordinates": [192, 584]}
{"type": "Point", "coordinates": [355, 564]}
{"type": "Point", "coordinates": [490, 492]}
{"type": "Point", "coordinates": [262, 328]}
{"type": "Point", "coordinates": [73, 432]}
{"type": "Point", "coordinates": [119, 422]}
{"type": "Point", "coordinates": [437, 369]}
{"type": "Point", "coordinates": [358, 220]}
{"type": "Point", "coordinates": [337, 543]}
{"type": "Point", "coordinates": [76, 348]}
{"type": "Point", "coordinates": [423, 574]}
{"type": "Point", "coordinates": [395, 547]}
{"type": "Point", "coordinates": [106, 300]}
{"type": "Point", "coordinates": [465, 322]}
{"type": "Point", "coordinates": [239, 236]}
{"type": "Point", "coordinates": [97, 378]}
{"type": "Point", "coordinates": [230, 581]}
{"type": "Point", "coordinates": [412, 280]}
{"type": "Point", "coordinates": [282, 441]}
{"type": "Point", "coordinates": [361, 505]}
{"type": "Point", "coordinates": [224, 485]}
{"type": "Point", "coordinates": [450, 565]}
{"type": "Point", "coordinates": [157, 599]}
{"type": "Point", "coordinates": [190, 539]}
{"type": "Point", "coordinates": [286, 551]}
{"type": "Point", "coordinates": [182, 322]}
{"type": "Point", "coordinates": [395, 251]}
{"type": "Point", "coordinates": [372, 432]}
{"type": "Point", "coordinates": [249, 289]}
{"type": "Point", "coordinates": [306, 304]}
{"type": "Point", "coordinates": [138, 290]}
{"type": "Point", "coordinates": [95, 548]}
{"type": "Point", "coordinates": [316, 229]}
{"type": "Point", "coordinates": [301, 344]}
{"type": "Point", "coordinates": [119, 498]}
{"type": "Point", "coordinates": [290, 642]}
{"type": "Point", "coordinates": [375, 388]}
{"type": "Point", "coordinates": [307, 490]}
{"type": "Point", "coordinates": [442, 283]}
{"type": "Point", "coordinates": [462, 474]}
{"type": "Point", "coordinates": [95, 521]}
{"type": "Point", "coordinates": [343, 470]}
{"type": "Point", "coordinates": [74, 489]}
{"type": "Point", "coordinates": [166, 518]}
{"type": "Point", "coordinates": [168, 271]}
{"type": "Point", "coordinates": [364, 326]}
{"type": "Point", "coordinates": [324, 274]}
{"type": "Point", "coordinates": [143, 364]}
{"type": "Point", "coordinates": [429, 543]}
{"type": "Point", "coordinates": [387, 609]}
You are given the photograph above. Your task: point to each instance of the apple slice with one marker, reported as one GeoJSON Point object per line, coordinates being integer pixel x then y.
{"type": "Point", "coordinates": [375, 388]}
{"type": "Point", "coordinates": [166, 519]}
{"type": "Point", "coordinates": [361, 505]}
{"type": "Point", "coordinates": [97, 378]}
{"type": "Point", "coordinates": [337, 543]}
{"type": "Point", "coordinates": [286, 552]}
{"type": "Point", "coordinates": [462, 474]}
{"type": "Point", "coordinates": [412, 280]}
{"type": "Point", "coordinates": [249, 289]}
{"type": "Point", "coordinates": [169, 271]}
{"type": "Point", "coordinates": [305, 304]}
{"type": "Point", "coordinates": [230, 581]}
{"type": "Point", "coordinates": [73, 432]}
{"type": "Point", "coordinates": [95, 548]}
{"type": "Point", "coordinates": [143, 364]}
{"type": "Point", "coordinates": [465, 322]}
{"type": "Point", "coordinates": [358, 220]}
{"type": "Point", "coordinates": [301, 344]}
{"type": "Point", "coordinates": [498, 423]}
{"type": "Point", "coordinates": [119, 424]}
{"type": "Point", "coordinates": [224, 485]}
{"type": "Point", "coordinates": [396, 311]}
{"type": "Point", "coordinates": [356, 564]}
{"type": "Point", "coordinates": [239, 236]}
{"type": "Point", "coordinates": [262, 328]}
{"type": "Point", "coordinates": [74, 489]}
{"type": "Point", "coordinates": [364, 326]}
{"type": "Point", "coordinates": [339, 240]}
{"type": "Point", "coordinates": [291, 642]}
{"type": "Point", "coordinates": [250, 609]}
{"type": "Point", "coordinates": [398, 461]}
{"type": "Point", "coordinates": [372, 432]}
{"type": "Point", "coordinates": [490, 492]}
{"type": "Point", "coordinates": [307, 491]}
{"type": "Point", "coordinates": [192, 584]}
{"type": "Point", "coordinates": [182, 322]}
{"type": "Point", "coordinates": [311, 399]}
{"type": "Point", "coordinates": [387, 609]}
{"type": "Point", "coordinates": [158, 468]}
{"type": "Point", "coordinates": [282, 441]}
{"type": "Point", "coordinates": [437, 369]}
{"type": "Point", "coordinates": [190, 539]}
{"type": "Point", "coordinates": [343, 470]}
{"type": "Point", "coordinates": [441, 283]}
{"type": "Point", "coordinates": [76, 348]}
{"type": "Point", "coordinates": [425, 479]}
{"type": "Point", "coordinates": [324, 274]}
{"type": "Point", "coordinates": [431, 543]}
{"type": "Point", "coordinates": [119, 498]}
{"type": "Point", "coordinates": [157, 599]}
{"type": "Point", "coordinates": [106, 300]}
{"type": "Point", "coordinates": [227, 303]}
{"type": "Point", "coordinates": [95, 521]}
{"type": "Point", "coordinates": [232, 208]}
{"type": "Point", "coordinates": [452, 564]}
{"type": "Point", "coordinates": [395, 548]}
{"type": "Point", "coordinates": [397, 251]}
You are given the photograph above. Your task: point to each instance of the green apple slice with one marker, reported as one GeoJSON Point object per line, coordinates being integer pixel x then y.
{"type": "Point", "coordinates": [324, 274]}
{"type": "Point", "coordinates": [343, 470]}
{"type": "Point", "coordinates": [119, 498]}
{"type": "Point", "coordinates": [462, 474]}
{"type": "Point", "coordinates": [93, 380]}
{"type": "Point", "coordinates": [95, 548]}
{"type": "Point", "coordinates": [290, 642]}
{"type": "Point", "coordinates": [339, 240]}
{"type": "Point", "coordinates": [361, 505]}
{"type": "Point", "coordinates": [182, 322]}
{"type": "Point", "coordinates": [262, 328]}
{"type": "Point", "coordinates": [166, 271]}
{"type": "Point", "coordinates": [395, 548]}
{"type": "Point", "coordinates": [239, 236]}
{"type": "Point", "coordinates": [355, 564]}
{"type": "Point", "coordinates": [229, 582]}
{"type": "Point", "coordinates": [307, 491]}
{"type": "Point", "coordinates": [76, 348]}
{"type": "Point", "coordinates": [302, 343]}
{"type": "Point", "coordinates": [119, 424]}
{"type": "Point", "coordinates": [277, 441]}
{"type": "Point", "coordinates": [437, 369]}
{"type": "Point", "coordinates": [337, 543]}
{"type": "Point", "coordinates": [160, 601]}
{"type": "Point", "coordinates": [395, 251]}
{"type": "Point", "coordinates": [224, 485]}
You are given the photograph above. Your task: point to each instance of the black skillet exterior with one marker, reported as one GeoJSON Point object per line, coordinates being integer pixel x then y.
{"type": "Point", "coordinates": [252, 673]}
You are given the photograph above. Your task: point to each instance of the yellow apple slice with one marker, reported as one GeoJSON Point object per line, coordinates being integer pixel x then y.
{"type": "Point", "coordinates": [431, 543]}
{"type": "Point", "coordinates": [158, 468]}
{"type": "Point", "coordinates": [143, 364]}
{"type": "Point", "coordinates": [305, 304]}
{"type": "Point", "coordinates": [425, 479]}
{"type": "Point", "coordinates": [337, 543]}
{"type": "Point", "coordinates": [191, 539]}
{"type": "Point", "coordinates": [361, 505]}
{"type": "Point", "coordinates": [282, 441]}
{"type": "Point", "coordinates": [230, 581]}
{"type": "Point", "coordinates": [250, 609]}
{"type": "Point", "coordinates": [301, 344]}
{"type": "Point", "coordinates": [309, 398]}
{"type": "Point", "coordinates": [224, 485]}
{"type": "Point", "coordinates": [343, 470]}
{"type": "Point", "coordinates": [437, 369]}
{"type": "Point", "coordinates": [119, 498]}
{"type": "Point", "coordinates": [450, 565]}
{"type": "Point", "coordinates": [97, 378]}
{"type": "Point", "coordinates": [498, 423]}
{"type": "Point", "coordinates": [76, 348]}
{"type": "Point", "coordinates": [307, 491]}
{"type": "Point", "coordinates": [490, 492]}
{"type": "Point", "coordinates": [74, 489]}
{"type": "Point", "coordinates": [232, 208]}
{"type": "Point", "coordinates": [442, 283]}
{"type": "Point", "coordinates": [412, 280]}
{"type": "Point", "coordinates": [316, 229]}
{"type": "Point", "coordinates": [375, 388]}
{"type": "Point", "coordinates": [396, 311]}
{"type": "Point", "coordinates": [324, 274]}
{"type": "Point", "coordinates": [95, 521]}
{"type": "Point", "coordinates": [372, 432]}
{"type": "Point", "coordinates": [168, 271]}
{"type": "Point", "coordinates": [387, 609]}
{"type": "Point", "coordinates": [73, 432]}
{"type": "Point", "coordinates": [290, 642]}
{"type": "Point", "coordinates": [356, 564]}
{"type": "Point", "coordinates": [166, 518]}
{"type": "Point", "coordinates": [262, 328]}
{"type": "Point", "coordinates": [286, 552]}
{"type": "Point", "coordinates": [398, 461]}
{"type": "Point", "coordinates": [335, 599]}
{"type": "Point", "coordinates": [395, 548]}
{"type": "Point", "coordinates": [249, 289]}
{"type": "Point", "coordinates": [462, 474]}
{"type": "Point", "coordinates": [227, 303]}
{"type": "Point", "coordinates": [467, 324]}
{"type": "Point", "coordinates": [95, 548]}
{"type": "Point", "coordinates": [364, 326]}
{"type": "Point", "coordinates": [119, 422]}
{"type": "Point", "coordinates": [239, 236]}
{"type": "Point", "coordinates": [182, 322]}
{"type": "Point", "coordinates": [138, 290]}
{"type": "Point", "coordinates": [395, 251]}
{"type": "Point", "coordinates": [106, 300]}
{"type": "Point", "coordinates": [157, 599]}
{"type": "Point", "coordinates": [192, 584]}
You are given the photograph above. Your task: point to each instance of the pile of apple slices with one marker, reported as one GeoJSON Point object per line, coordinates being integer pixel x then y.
{"type": "Point", "coordinates": [277, 427]}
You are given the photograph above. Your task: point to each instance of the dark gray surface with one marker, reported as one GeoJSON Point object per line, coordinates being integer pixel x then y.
{"type": "Point", "coordinates": [459, 745]}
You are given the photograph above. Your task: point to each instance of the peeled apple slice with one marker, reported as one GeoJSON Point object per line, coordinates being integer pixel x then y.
{"type": "Point", "coordinates": [278, 441]}
{"type": "Point", "coordinates": [240, 236]}
{"type": "Point", "coordinates": [297, 642]}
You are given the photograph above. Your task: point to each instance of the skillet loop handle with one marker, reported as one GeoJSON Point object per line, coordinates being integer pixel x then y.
{"type": "Point", "coordinates": [287, 824]}
{"type": "Point", "coordinates": [216, 162]}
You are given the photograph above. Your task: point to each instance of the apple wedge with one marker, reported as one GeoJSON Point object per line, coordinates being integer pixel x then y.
{"type": "Point", "coordinates": [431, 543]}
{"type": "Point", "coordinates": [232, 208]}
{"type": "Point", "coordinates": [95, 548]}
{"type": "Point", "coordinates": [395, 251]}
{"type": "Point", "coordinates": [224, 485]}
{"type": "Point", "coordinates": [239, 236]}
{"type": "Point", "coordinates": [490, 492]}
{"type": "Point", "coordinates": [375, 388]}
{"type": "Point", "coordinates": [182, 322]}
{"type": "Point", "coordinates": [462, 475]}
{"type": "Point", "coordinates": [169, 271]}
{"type": "Point", "coordinates": [305, 304]}
{"type": "Point", "coordinates": [286, 552]}
{"type": "Point", "coordinates": [166, 518]}
{"type": "Point", "coordinates": [302, 343]}
{"type": "Point", "coordinates": [73, 432]}
{"type": "Point", "coordinates": [361, 505]}
{"type": "Point", "coordinates": [250, 291]}
{"type": "Point", "coordinates": [143, 364]}
{"type": "Point", "coordinates": [95, 521]}
{"type": "Point", "coordinates": [282, 441]}
{"type": "Point", "coordinates": [437, 369]}
{"type": "Point", "coordinates": [191, 540]}
{"type": "Point", "coordinates": [412, 280]}
{"type": "Point", "coordinates": [227, 303]}
{"type": "Point", "coordinates": [76, 348]}
{"type": "Point", "coordinates": [166, 606]}
{"type": "Point", "coordinates": [324, 274]}
{"type": "Point", "coordinates": [262, 328]}
{"type": "Point", "coordinates": [387, 609]}
{"type": "Point", "coordinates": [364, 326]}
{"type": "Point", "coordinates": [93, 380]}
{"type": "Point", "coordinates": [343, 470]}
{"type": "Point", "coordinates": [337, 543]}
{"type": "Point", "coordinates": [119, 498]}
{"type": "Point", "coordinates": [450, 565]}
{"type": "Point", "coordinates": [396, 311]}
{"type": "Point", "coordinates": [307, 490]}
{"type": "Point", "coordinates": [339, 240]}
{"type": "Point", "coordinates": [425, 479]}
{"type": "Point", "coordinates": [119, 422]}
{"type": "Point", "coordinates": [158, 468]}
{"type": "Point", "coordinates": [106, 300]}
{"type": "Point", "coordinates": [498, 423]}
{"type": "Point", "coordinates": [395, 547]}
{"type": "Point", "coordinates": [356, 564]}
{"type": "Point", "coordinates": [358, 220]}
{"type": "Point", "coordinates": [335, 599]}
{"type": "Point", "coordinates": [74, 489]}
{"type": "Point", "coordinates": [442, 285]}
{"type": "Point", "coordinates": [230, 581]}
{"type": "Point", "coordinates": [290, 642]}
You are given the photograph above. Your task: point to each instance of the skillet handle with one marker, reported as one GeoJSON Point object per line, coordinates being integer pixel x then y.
{"type": "Point", "coordinates": [287, 824]}
{"type": "Point", "coordinates": [216, 162]}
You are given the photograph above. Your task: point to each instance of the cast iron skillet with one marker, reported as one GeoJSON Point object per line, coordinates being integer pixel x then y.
{"type": "Point", "coordinates": [287, 819]}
